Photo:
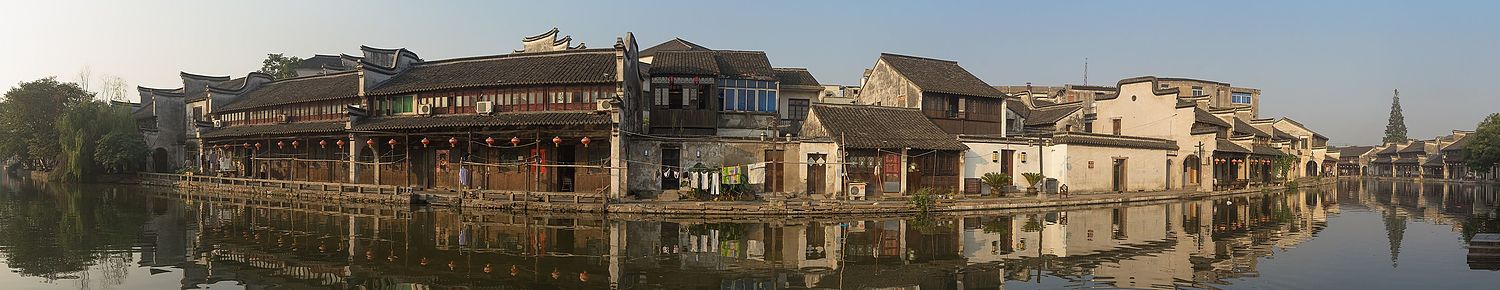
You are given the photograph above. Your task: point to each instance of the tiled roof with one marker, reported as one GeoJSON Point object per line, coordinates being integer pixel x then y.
{"type": "Point", "coordinates": [1201, 128]}
{"type": "Point", "coordinates": [1226, 146]}
{"type": "Point", "coordinates": [1390, 149]}
{"type": "Point", "coordinates": [502, 119]}
{"type": "Point", "coordinates": [1261, 149]}
{"type": "Point", "coordinates": [1201, 116]}
{"type": "Point", "coordinates": [873, 127]}
{"type": "Point", "coordinates": [751, 65]}
{"type": "Point", "coordinates": [676, 44]}
{"type": "Point", "coordinates": [275, 129]}
{"type": "Point", "coordinates": [1414, 147]}
{"type": "Point", "coordinates": [1081, 138]}
{"type": "Point", "coordinates": [1245, 128]}
{"type": "Point", "coordinates": [685, 63]}
{"type": "Point", "coordinates": [1354, 151]}
{"type": "Point", "coordinates": [1458, 145]}
{"type": "Point", "coordinates": [1050, 115]}
{"type": "Point", "coordinates": [232, 84]}
{"type": "Point", "coordinates": [745, 65]}
{"type": "Point", "coordinates": [795, 77]}
{"type": "Point", "coordinates": [1015, 104]}
{"type": "Point", "coordinates": [577, 66]}
{"type": "Point", "coordinates": [296, 90]}
{"type": "Point", "coordinates": [1433, 161]}
{"type": "Point", "coordinates": [940, 76]}
{"type": "Point", "coordinates": [320, 61]}
{"type": "Point", "coordinates": [1278, 134]}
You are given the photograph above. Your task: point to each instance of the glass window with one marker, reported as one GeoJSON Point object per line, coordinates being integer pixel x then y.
{"type": "Point", "coordinates": [766, 103]}
{"type": "Point", "coordinates": [728, 99]}
{"type": "Point", "coordinates": [744, 99]}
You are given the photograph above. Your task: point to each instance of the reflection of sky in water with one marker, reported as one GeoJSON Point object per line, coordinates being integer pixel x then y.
{"type": "Point", "coordinates": [1358, 235]}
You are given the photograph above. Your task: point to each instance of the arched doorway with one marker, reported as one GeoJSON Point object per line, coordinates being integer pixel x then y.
{"type": "Point", "coordinates": [159, 161]}
{"type": "Point", "coordinates": [1312, 169]}
{"type": "Point", "coordinates": [1191, 171]}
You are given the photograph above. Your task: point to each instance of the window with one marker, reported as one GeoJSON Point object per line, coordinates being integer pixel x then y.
{"type": "Point", "coordinates": [747, 96]}
{"type": "Point", "coordinates": [1241, 98]}
{"type": "Point", "coordinates": [1163, 86]}
{"type": "Point", "coordinates": [1197, 91]}
{"type": "Point", "coordinates": [398, 105]}
{"type": "Point", "coordinates": [1116, 125]}
{"type": "Point", "coordinates": [797, 108]}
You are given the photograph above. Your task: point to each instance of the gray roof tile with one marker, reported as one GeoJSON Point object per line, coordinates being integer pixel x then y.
{"type": "Point", "coordinates": [873, 127]}
{"type": "Point", "coordinates": [940, 76]}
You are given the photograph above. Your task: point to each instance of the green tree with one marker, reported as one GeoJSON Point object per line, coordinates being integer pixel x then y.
{"type": "Point", "coordinates": [29, 122]}
{"type": "Point", "coordinates": [280, 66]}
{"type": "Point", "coordinates": [1395, 130]}
{"type": "Point", "coordinates": [97, 137]}
{"type": "Point", "coordinates": [1484, 150]}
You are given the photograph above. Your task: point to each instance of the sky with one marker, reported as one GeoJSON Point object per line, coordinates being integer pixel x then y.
{"type": "Point", "coordinates": [1329, 65]}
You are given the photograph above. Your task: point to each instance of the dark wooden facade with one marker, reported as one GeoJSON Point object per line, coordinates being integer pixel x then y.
{"type": "Point", "coordinates": [958, 114]}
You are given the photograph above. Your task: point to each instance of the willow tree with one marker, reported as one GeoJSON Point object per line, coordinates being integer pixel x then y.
{"type": "Point", "coordinates": [31, 110]}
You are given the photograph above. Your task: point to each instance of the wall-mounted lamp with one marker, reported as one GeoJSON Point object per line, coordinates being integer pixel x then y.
{"type": "Point", "coordinates": [994, 156]}
{"type": "Point", "coordinates": [1023, 157]}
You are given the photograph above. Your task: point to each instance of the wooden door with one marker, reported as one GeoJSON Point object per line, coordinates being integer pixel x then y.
{"type": "Point", "coordinates": [1118, 177]}
{"type": "Point", "coordinates": [890, 172]}
{"type": "Point", "coordinates": [817, 171]}
{"type": "Point", "coordinates": [775, 168]}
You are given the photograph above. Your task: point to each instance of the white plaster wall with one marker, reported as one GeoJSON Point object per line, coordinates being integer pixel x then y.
{"type": "Point", "coordinates": [1157, 116]}
{"type": "Point", "coordinates": [979, 160]}
{"type": "Point", "coordinates": [1146, 168]}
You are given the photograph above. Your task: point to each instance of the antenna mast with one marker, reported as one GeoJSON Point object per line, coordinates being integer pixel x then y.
{"type": "Point", "coordinates": [1085, 71]}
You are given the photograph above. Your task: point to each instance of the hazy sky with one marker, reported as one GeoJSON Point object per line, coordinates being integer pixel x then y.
{"type": "Point", "coordinates": [1330, 65]}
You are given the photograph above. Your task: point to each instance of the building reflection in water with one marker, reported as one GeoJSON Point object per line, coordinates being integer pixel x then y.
{"type": "Point", "coordinates": [1196, 244]}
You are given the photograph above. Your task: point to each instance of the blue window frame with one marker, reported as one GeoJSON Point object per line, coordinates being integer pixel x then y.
{"type": "Point", "coordinates": [1240, 98]}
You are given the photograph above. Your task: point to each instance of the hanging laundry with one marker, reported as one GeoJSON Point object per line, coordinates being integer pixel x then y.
{"type": "Point", "coordinates": [757, 173]}
{"type": "Point", "coordinates": [714, 177]}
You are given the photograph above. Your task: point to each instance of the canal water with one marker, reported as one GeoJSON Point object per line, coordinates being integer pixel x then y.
{"type": "Point", "coordinates": [1360, 234]}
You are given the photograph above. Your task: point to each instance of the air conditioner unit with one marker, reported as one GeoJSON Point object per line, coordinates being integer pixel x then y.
{"type": "Point", "coordinates": [484, 107]}
{"type": "Point", "coordinates": [283, 118]}
{"type": "Point", "coordinates": [424, 110]}
{"type": "Point", "coordinates": [856, 190]}
{"type": "Point", "coordinates": [218, 124]}
{"type": "Point", "coordinates": [603, 105]}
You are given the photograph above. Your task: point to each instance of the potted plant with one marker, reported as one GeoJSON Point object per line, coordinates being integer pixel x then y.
{"type": "Point", "coordinates": [996, 181]}
{"type": "Point", "coordinates": [1032, 179]}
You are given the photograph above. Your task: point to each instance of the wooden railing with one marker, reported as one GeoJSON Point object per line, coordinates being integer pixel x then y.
{"type": "Point", "coordinates": [278, 184]}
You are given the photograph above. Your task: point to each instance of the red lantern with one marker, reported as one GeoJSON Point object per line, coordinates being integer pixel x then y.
{"type": "Point", "coordinates": [370, 142]}
{"type": "Point", "coordinates": [585, 140]}
{"type": "Point", "coordinates": [424, 142]}
{"type": "Point", "coordinates": [489, 141]}
{"type": "Point", "coordinates": [257, 146]}
{"type": "Point", "coordinates": [340, 143]}
{"type": "Point", "coordinates": [322, 143]}
{"type": "Point", "coordinates": [246, 145]}
{"type": "Point", "coordinates": [452, 141]}
{"type": "Point", "coordinates": [280, 144]}
{"type": "Point", "coordinates": [295, 143]}
{"type": "Point", "coordinates": [556, 141]}
{"type": "Point", "coordinates": [515, 141]}
{"type": "Point", "coordinates": [392, 142]}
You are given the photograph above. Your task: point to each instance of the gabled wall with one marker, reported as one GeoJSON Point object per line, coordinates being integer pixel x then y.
{"type": "Point", "coordinates": [888, 88]}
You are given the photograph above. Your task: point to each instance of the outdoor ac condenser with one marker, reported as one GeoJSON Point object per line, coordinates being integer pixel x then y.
{"type": "Point", "coordinates": [484, 107]}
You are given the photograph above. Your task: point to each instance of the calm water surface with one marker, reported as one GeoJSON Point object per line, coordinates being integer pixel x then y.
{"type": "Point", "coordinates": [1356, 234]}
